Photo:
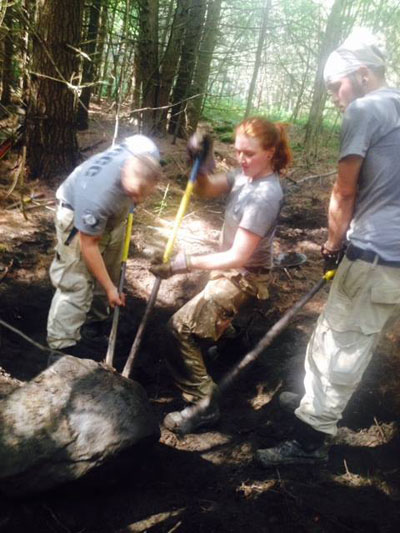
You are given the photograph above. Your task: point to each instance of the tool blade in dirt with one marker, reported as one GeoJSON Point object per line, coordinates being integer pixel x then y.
{"type": "Point", "coordinates": [167, 254]}
{"type": "Point", "coordinates": [251, 356]}
{"type": "Point", "coordinates": [125, 252]}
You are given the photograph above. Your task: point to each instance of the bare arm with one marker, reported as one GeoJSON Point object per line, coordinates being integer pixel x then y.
{"type": "Point", "coordinates": [343, 197]}
{"type": "Point", "coordinates": [95, 263]}
{"type": "Point", "coordinates": [236, 257]}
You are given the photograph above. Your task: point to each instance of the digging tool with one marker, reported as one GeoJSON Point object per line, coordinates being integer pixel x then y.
{"type": "Point", "coordinates": [167, 254]}
{"type": "Point", "coordinates": [271, 334]}
{"type": "Point", "coordinates": [125, 252]}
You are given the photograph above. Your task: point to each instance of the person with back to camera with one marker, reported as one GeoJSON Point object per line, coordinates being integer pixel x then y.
{"type": "Point", "coordinates": [240, 270]}
{"type": "Point", "coordinates": [92, 207]}
{"type": "Point", "coordinates": [365, 293]}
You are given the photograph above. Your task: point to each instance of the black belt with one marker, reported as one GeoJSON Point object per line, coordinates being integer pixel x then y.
{"type": "Point", "coordinates": [353, 253]}
{"type": "Point", "coordinates": [61, 203]}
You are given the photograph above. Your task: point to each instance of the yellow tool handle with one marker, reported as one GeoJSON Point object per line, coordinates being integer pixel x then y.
{"type": "Point", "coordinates": [178, 219]}
{"type": "Point", "coordinates": [329, 275]}
{"type": "Point", "coordinates": [128, 233]}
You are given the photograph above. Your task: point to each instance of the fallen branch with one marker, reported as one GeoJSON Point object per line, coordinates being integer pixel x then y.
{"type": "Point", "coordinates": [31, 341]}
{"type": "Point", "coordinates": [314, 177]}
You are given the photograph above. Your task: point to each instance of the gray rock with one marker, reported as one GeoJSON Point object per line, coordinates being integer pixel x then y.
{"type": "Point", "coordinates": [73, 417]}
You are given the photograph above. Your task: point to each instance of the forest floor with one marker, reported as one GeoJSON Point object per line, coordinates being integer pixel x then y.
{"type": "Point", "coordinates": [208, 482]}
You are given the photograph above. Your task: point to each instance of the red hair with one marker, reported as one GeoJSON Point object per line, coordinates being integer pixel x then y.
{"type": "Point", "coordinates": [270, 135]}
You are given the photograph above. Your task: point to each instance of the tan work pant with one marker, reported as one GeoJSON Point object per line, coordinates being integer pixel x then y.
{"type": "Point", "coordinates": [362, 299]}
{"type": "Point", "coordinates": [207, 316]}
{"type": "Point", "coordinates": [78, 296]}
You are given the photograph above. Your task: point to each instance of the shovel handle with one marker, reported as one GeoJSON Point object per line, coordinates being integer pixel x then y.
{"type": "Point", "coordinates": [114, 327]}
{"type": "Point", "coordinates": [167, 254]}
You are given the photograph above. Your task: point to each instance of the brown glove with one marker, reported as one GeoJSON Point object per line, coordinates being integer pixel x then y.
{"type": "Point", "coordinates": [200, 145]}
{"type": "Point", "coordinates": [179, 264]}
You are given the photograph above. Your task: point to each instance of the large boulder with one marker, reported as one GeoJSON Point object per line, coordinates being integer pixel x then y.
{"type": "Point", "coordinates": [73, 417]}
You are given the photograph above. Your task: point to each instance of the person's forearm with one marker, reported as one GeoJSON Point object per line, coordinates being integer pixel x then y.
{"type": "Point", "coordinates": [95, 264]}
{"type": "Point", "coordinates": [341, 209]}
{"type": "Point", "coordinates": [217, 261]}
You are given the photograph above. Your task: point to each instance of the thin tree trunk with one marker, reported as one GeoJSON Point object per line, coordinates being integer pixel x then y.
{"type": "Point", "coordinates": [170, 60]}
{"type": "Point", "coordinates": [190, 47]}
{"type": "Point", "coordinates": [202, 72]}
{"type": "Point", "coordinates": [329, 43]}
{"type": "Point", "coordinates": [260, 45]}
{"type": "Point", "coordinates": [8, 52]}
{"type": "Point", "coordinates": [148, 61]}
{"type": "Point", "coordinates": [88, 74]}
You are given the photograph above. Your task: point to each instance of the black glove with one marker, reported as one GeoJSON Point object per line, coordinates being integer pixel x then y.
{"type": "Point", "coordinates": [331, 258]}
{"type": "Point", "coordinates": [200, 145]}
{"type": "Point", "coordinates": [177, 265]}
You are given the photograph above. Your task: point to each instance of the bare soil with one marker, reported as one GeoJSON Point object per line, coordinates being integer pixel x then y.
{"type": "Point", "coordinates": [207, 482]}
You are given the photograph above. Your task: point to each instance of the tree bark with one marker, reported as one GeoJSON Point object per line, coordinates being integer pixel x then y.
{"type": "Point", "coordinates": [52, 146]}
{"type": "Point", "coordinates": [260, 45]}
{"type": "Point", "coordinates": [202, 72]}
{"type": "Point", "coordinates": [329, 42]}
{"type": "Point", "coordinates": [170, 60]}
{"type": "Point", "coordinates": [148, 61]}
{"type": "Point", "coordinates": [8, 52]}
{"type": "Point", "coordinates": [89, 65]}
{"type": "Point", "coordinates": [187, 65]}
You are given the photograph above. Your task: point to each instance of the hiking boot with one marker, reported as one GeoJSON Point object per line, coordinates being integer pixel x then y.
{"type": "Point", "coordinates": [289, 401]}
{"type": "Point", "coordinates": [290, 452]}
{"type": "Point", "coordinates": [190, 419]}
{"type": "Point", "coordinates": [92, 334]}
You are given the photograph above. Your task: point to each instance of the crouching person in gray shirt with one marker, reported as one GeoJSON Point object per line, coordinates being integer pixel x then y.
{"type": "Point", "coordinates": [92, 208]}
{"type": "Point", "coordinates": [240, 270]}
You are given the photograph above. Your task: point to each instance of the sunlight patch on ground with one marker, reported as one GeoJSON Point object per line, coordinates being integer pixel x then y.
{"type": "Point", "coordinates": [144, 525]}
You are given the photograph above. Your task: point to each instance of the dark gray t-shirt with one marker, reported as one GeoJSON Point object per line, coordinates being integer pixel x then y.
{"type": "Point", "coordinates": [371, 129]}
{"type": "Point", "coordinates": [94, 188]}
{"type": "Point", "coordinates": [253, 205]}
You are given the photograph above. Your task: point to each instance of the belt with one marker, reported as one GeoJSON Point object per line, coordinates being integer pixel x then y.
{"type": "Point", "coordinates": [61, 203]}
{"type": "Point", "coordinates": [353, 253]}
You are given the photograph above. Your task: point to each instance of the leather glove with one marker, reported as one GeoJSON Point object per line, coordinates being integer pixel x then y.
{"type": "Point", "coordinates": [177, 265]}
{"type": "Point", "coordinates": [332, 258]}
{"type": "Point", "coordinates": [200, 144]}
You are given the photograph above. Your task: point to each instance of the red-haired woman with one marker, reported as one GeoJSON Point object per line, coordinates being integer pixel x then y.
{"type": "Point", "coordinates": [240, 270]}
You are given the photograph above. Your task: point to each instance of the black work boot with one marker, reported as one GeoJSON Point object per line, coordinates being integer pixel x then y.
{"type": "Point", "coordinates": [308, 447]}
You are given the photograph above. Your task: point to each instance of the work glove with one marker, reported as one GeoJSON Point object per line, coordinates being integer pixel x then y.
{"type": "Point", "coordinates": [179, 264]}
{"type": "Point", "coordinates": [332, 258]}
{"type": "Point", "coordinates": [200, 144]}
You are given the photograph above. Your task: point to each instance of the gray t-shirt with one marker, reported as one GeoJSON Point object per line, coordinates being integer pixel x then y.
{"type": "Point", "coordinates": [94, 188]}
{"type": "Point", "coordinates": [253, 205]}
{"type": "Point", "coordinates": [371, 129]}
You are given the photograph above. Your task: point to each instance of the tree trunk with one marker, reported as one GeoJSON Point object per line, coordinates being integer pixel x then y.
{"type": "Point", "coordinates": [52, 146]}
{"type": "Point", "coordinates": [89, 73]}
{"type": "Point", "coordinates": [8, 52]}
{"type": "Point", "coordinates": [101, 40]}
{"type": "Point", "coordinates": [187, 65]}
{"type": "Point", "coordinates": [329, 42]}
{"type": "Point", "coordinates": [148, 61]}
{"type": "Point", "coordinates": [202, 72]}
{"type": "Point", "coordinates": [260, 45]}
{"type": "Point", "coordinates": [170, 60]}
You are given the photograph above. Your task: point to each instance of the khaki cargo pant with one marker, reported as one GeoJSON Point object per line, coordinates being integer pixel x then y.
{"type": "Point", "coordinates": [207, 316]}
{"type": "Point", "coordinates": [78, 296]}
{"type": "Point", "coordinates": [362, 299]}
